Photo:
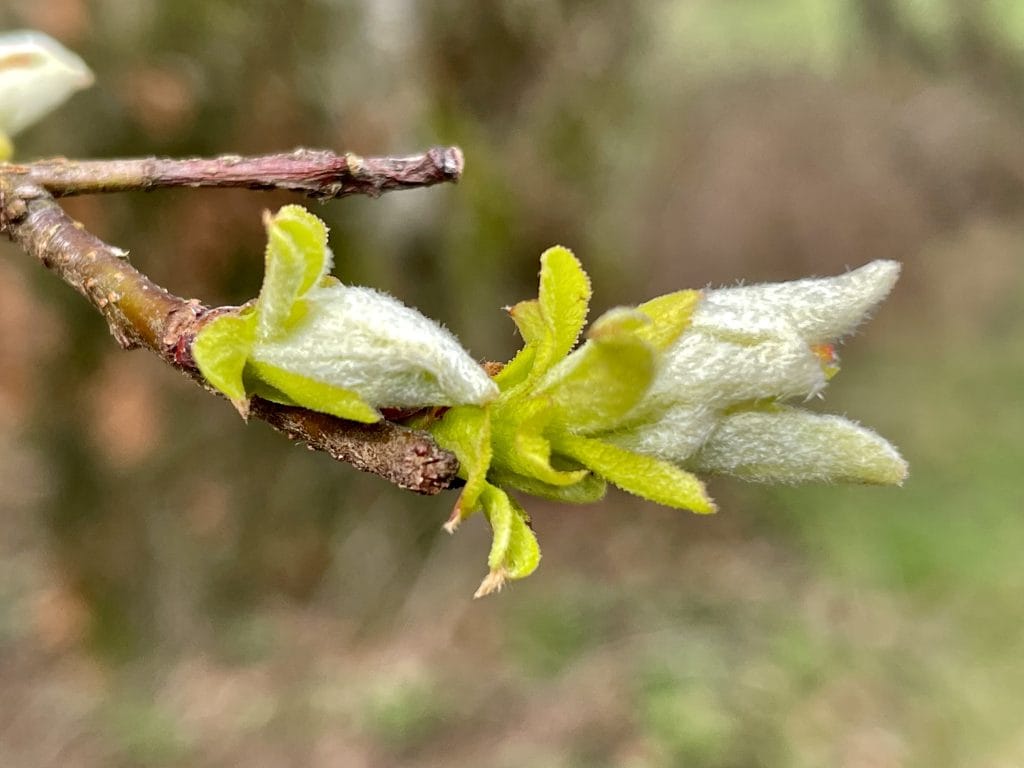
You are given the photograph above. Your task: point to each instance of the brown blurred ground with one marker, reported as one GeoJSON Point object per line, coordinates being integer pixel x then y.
{"type": "Point", "coordinates": [177, 588]}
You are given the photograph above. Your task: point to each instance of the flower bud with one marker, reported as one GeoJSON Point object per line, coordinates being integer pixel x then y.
{"type": "Point", "coordinates": [759, 344]}
{"type": "Point", "coordinates": [370, 343]}
{"type": "Point", "coordinates": [37, 74]}
{"type": "Point", "coordinates": [308, 340]}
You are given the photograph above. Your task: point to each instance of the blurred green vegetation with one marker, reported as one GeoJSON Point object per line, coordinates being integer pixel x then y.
{"type": "Point", "coordinates": [177, 588]}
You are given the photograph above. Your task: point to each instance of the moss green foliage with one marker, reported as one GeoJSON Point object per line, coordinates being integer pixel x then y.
{"type": "Point", "coordinates": [543, 433]}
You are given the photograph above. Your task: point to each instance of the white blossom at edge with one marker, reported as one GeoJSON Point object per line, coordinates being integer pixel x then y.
{"type": "Point", "coordinates": [37, 74]}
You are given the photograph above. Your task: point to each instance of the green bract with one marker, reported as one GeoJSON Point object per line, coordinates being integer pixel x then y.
{"type": "Point", "coordinates": [544, 433]}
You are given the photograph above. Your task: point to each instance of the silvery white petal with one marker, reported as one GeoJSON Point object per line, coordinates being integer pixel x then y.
{"type": "Point", "coordinates": [820, 309]}
{"type": "Point", "coordinates": [369, 342]}
{"type": "Point", "coordinates": [37, 74]}
{"type": "Point", "coordinates": [790, 445]}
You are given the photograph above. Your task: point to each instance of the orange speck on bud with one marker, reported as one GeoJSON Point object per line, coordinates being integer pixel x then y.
{"type": "Point", "coordinates": [829, 358]}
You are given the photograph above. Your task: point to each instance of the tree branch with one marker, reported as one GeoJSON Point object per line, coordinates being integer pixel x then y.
{"type": "Point", "coordinates": [140, 313]}
{"type": "Point", "coordinates": [314, 173]}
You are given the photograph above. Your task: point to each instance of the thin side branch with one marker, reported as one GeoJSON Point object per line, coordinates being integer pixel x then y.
{"type": "Point", "coordinates": [315, 173]}
{"type": "Point", "coordinates": [142, 314]}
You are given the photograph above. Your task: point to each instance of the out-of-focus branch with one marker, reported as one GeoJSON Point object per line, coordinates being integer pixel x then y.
{"type": "Point", "coordinates": [314, 173]}
{"type": "Point", "coordinates": [140, 313]}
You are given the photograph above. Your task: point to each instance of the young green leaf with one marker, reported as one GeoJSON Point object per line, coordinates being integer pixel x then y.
{"type": "Point", "coordinates": [644, 476]}
{"type": "Point", "coordinates": [564, 300]}
{"type": "Point", "coordinates": [520, 443]}
{"type": "Point", "coordinates": [597, 385]}
{"type": "Point", "coordinates": [315, 395]}
{"type": "Point", "coordinates": [221, 350]}
{"type": "Point", "coordinates": [466, 432]}
{"type": "Point", "coordinates": [297, 257]}
{"type": "Point", "coordinates": [670, 315]}
{"type": "Point", "coordinates": [514, 553]}
{"type": "Point", "coordinates": [589, 489]}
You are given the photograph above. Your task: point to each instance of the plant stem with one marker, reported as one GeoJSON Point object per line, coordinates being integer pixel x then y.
{"type": "Point", "coordinates": [314, 173]}
{"type": "Point", "coordinates": [141, 313]}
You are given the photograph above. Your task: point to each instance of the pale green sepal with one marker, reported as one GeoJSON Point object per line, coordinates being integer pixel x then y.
{"type": "Point", "coordinates": [602, 381]}
{"type": "Point", "coordinates": [315, 395]}
{"type": "Point", "coordinates": [520, 443]}
{"type": "Point", "coordinates": [514, 553]}
{"type": "Point", "coordinates": [529, 320]}
{"type": "Point", "coordinates": [670, 315]}
{"type": "Point", "coordinates": [466, 431]}
{"type": "Point", "coordinates": [589, 489]}
{"type": "Point", "coordinates": [644, 476]}
{"type": "Point", "coordinates": [297, 258]}
{"type": "Point", "coordinates": [517, 369]}
{"type": "Point", "coordinates": [564, 299]}
{"type": "Point", "coordinates": [256, 387]}
{"type": "Point", "coordinates": [220, 351]}
{"type": "Point", "coordinates": [791, 445]}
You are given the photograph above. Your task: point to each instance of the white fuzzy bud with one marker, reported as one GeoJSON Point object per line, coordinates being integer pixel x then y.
{"type": "Point", "coordinates": [790, 445]}
{"type": "Point", "coordinates": [758, 343]}
{"type": "Point", "coordinates": [819, 310]}
{"type": "Point", "coordinates": [37, 74]}
{"type": "Point", "coordinates": [368, 342]}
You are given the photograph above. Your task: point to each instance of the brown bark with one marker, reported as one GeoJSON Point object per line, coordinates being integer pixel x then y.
{"type": "Point", "coordinates": [140, 313]}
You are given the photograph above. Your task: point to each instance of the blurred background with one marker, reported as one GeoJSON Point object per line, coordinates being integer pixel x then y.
{"type": "Point", "coordinates": [179, 588]}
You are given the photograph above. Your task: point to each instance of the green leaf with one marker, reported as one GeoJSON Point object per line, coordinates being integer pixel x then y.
{"type": "Point", "coordinates": [590, 488]}
{"type": "Point", "coordinates": [551, 324]}
{"type": "Point", "coordinates": [670, 315]}
{"type": "Point", "coordinates": [596, 386]}
{"type": "Point", "coordinates": [221, 349]}
{"type": "Point", "coordinates": [529, 320]}
{"type": "Point", "coordinates": [564, 300]}
{"type": "Point", "coordinates": [517, 369]}
{"type": "Point", "coordinates": [641, 475]}
{"type": "Point", "coordinates": [297, 257]}
{"type": "Point", "coordinates": [514, 553]}
{"type": "Point", "coordinates": [315, 395]}
{"type": "Point", "coordinates": [466, 431]}
{"type": "Point", "coordinates": [523, 554]}
{"type": "Point", "coordinates": [519, 442]}
{"type": "Point", "coordinates": [498, 508]}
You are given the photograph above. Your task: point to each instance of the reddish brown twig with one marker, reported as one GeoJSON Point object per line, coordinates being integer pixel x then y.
{"type": "Point", "coordinates": [315, 173]}
{"type": "Point", "coordinates": [140, 313]}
